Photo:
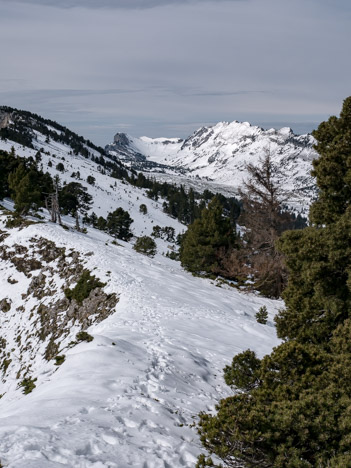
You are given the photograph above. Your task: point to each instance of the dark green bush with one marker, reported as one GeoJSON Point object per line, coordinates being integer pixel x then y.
{"type": "Point", "coordinates": [28, 385]}
{"type": "Point", "coordinates": [84, 336]}
{"type": "Point", "coordinates": [83, 288]}
{"type": "Point", "coordinates": [143, 209]}
{"type": "Point", "coordinates": [60, 360]}
{"type": "Point", "coordinates": [262, 315]}
{"type": "Point", "coordinates": [145, 245]}
{"type": "Point", "coordinates": [16, 221]}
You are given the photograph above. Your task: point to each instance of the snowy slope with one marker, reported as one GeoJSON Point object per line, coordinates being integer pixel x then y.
{"type": "Point", "coordinates": [108, 193]}
{"type": "Point", "coordinates": [130, 397]}
{"type": "Point", "coordinates": [220, 153]}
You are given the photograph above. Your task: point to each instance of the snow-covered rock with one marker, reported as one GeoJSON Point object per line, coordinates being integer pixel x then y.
{"type": "Point", "coordinates": [220, 154]}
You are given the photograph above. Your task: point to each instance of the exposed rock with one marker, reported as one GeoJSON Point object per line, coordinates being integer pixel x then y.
{"type": "Point", "coordinates": [5, 119]}
{"type": "Point", "coordinates": [5, 305]}
{"type": "Point", "coordinates": [50, 320]}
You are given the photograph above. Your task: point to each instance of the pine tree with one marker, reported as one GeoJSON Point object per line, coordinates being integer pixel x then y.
{"type": "Point", "coordinates": [8, 163]}
{"type": "Point", "coordinates": [74, 197]}
{"type": "Point", "coordinates": [292, 408]}
{"type": "Point", "coordinates": [333, 169]}
{"type": "Point", "coordinates": [118, 224]}
{"type": "Point", "coordinates": [24, 189]}
{"type": "Point", "coordinates": [207, 240]}
{"type": "Point", "coordinates": [262, 315]}
{"type": "Point", "coordinates": [145, 245]}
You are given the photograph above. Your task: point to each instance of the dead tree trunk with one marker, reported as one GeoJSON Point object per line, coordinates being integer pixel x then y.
{"type": "Point", "coordinates": [52, 205]}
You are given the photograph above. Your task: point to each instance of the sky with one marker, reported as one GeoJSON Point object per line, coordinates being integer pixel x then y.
{"type": "Point", "coordinates": [167, 67]}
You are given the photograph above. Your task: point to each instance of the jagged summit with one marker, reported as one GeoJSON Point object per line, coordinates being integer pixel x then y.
{"type": "Point", "coordinates": [220, 153]}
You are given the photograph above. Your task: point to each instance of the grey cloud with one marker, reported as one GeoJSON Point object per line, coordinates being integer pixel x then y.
{"type": "Point", "coordinates": [112, 4]}
{"type": "Point", "coordinates": [224, 93]}
{"type": "Point", "coordinates": [167, 71]}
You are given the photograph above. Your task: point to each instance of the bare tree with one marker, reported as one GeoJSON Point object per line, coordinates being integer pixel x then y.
{"type": "Point", "coordinates": [264, 219]}
{"type": "Point", "coordinates": [52, 203]}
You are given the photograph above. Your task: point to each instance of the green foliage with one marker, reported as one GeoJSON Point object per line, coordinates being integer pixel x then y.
{"type": "Point", "coordinates": [286, 416]}
{"type": "Point", "coordinates": [60, 360]}
{"type": "Point", "coordinates": [143, 208]}
{"type": "Point", "coordinates": [17, 221]}
{"type": "Point", "coordinates": [207, 241]}
{"type": "Point", "coordinates": [118, 224]}
{"type": "Point", "coordinates": [28, 385]}
{"type": "Point", "coordinates": [101, 223]}
{"type": "Point", "coordinates": [172, 255]}
{"type": "Point", "coordinates": [167, 233]}
{"type": "Point", "coordinates": [145, 245]}
{"type": "Point", "coordinates": [60, 167]}
{"type": "Point", "coordinates": [84, 336]}
{"type": "Point", "coordinates": [74, 197]}
{"type": "Point", "coordinates": [294, 407]}
{"type": "Point", "coordinates": [21, 180]}
{"type": "Point", "coordinates": [243, 373]}
{"type": "Point", "coordinates": [332, 169]}
{"type": "Point", "coordinates": [204, 461]}
{"type": "Point", "coordinates": [91, 180]}
{"type": "Point", "coordinates": [83, 288]}
{"type": "Point", "coordinates": [26, 185]}
{"type": "Point", "coordinates": [8, 163]}
{"type": "Point", "coordinates": [262, 315]}
{"type": "Point", "coordinates": [5, 364]}
{"type": "Point", "coordinates": [183, 205]}
{"type": "Point", "coordinates": [318, 295]}
{"type": "Point", "coordinates": [19, 134]}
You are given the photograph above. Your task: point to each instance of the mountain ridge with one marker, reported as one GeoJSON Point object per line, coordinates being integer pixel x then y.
{"type": "Point", "coordinates": [220, 153]}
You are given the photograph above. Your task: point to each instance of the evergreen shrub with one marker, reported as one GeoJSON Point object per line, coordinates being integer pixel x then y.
{"type": "Point", "coordinates": [145, 245]}
{"type": "Point", "coordinates": [84, 336]}
{"type": "Point", "coordinates": [83, 288]}
{"type": "Point", "coordinates": [262, 315]}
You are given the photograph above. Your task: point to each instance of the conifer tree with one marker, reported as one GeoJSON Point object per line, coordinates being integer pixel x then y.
{"type": "Point", "coordinates": [8, 163]}
{"type": "Point", "coordinates": [333, 169]}
{"type": "Point", "coordinates": [118, 224]}
{"type": "Point", "coordinates": [264, 220]}
{"type": "Point", "coordinates": [74, 197]}
{"type": "Point", "coordinates": [24, 189]}
{"type": "Point", "coordinates": [292, 408]}
{"type": "Point", "coordinates": [207, 240]}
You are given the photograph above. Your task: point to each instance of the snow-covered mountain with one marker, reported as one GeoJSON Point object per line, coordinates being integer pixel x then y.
{"type": "Point", "coordinates": [80, 159]}
{"type": "Point", "coordinates": [161, 337]}
{"type": "Point", "coordinates": [220, 154]}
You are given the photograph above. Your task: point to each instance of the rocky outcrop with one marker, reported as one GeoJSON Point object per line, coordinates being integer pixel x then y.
{"type": "Point", "coordinates": [5, 119]}
{"type": "Point", "coordinates": [46, 321]}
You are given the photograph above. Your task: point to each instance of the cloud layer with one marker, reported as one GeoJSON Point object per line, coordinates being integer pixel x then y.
{"type": "Point", "coordinates": [112, 4]}
{"type": "Point", "coordinates": [166, 71]}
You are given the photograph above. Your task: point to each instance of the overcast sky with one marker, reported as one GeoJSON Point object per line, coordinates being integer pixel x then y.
{"type": "Point", "coordinates": [167, 67]}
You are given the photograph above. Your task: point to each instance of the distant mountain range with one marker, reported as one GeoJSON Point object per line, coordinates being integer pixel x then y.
{"type": "Point", "coordinates": [213, 157]}
{"type": "Point", "coordinates": [220, 153]}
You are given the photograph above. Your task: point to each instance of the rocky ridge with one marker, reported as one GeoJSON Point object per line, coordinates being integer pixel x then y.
{"type": "Point", "coordinates": [220, 154]}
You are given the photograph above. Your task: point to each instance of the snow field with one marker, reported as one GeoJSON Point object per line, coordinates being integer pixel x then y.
{"type": "Point", "coordinates": [130, 398]}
